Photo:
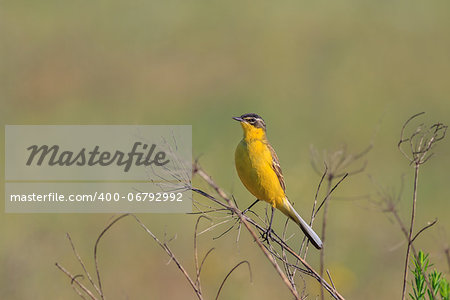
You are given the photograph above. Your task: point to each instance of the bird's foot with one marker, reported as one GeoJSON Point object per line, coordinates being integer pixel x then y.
{"type": "Point", "coordinates": [267, 235]}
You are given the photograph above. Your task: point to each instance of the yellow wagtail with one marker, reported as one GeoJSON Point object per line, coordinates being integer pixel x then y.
{"type": "Point", "coordinates": [259, 169]}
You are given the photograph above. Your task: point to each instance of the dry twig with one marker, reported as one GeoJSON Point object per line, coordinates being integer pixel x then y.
{"type": "Point", "coordinates": [231, 271]}
{"type": "Point", "coordinates": [419, 144]}
{"type": "Point", "coordinates": [337, 165]}
{"type": "Point", "coordinates": [248, 223]}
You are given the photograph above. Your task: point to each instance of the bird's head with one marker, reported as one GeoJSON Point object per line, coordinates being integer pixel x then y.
{"type": "Point", "coordinates": [253, 126]}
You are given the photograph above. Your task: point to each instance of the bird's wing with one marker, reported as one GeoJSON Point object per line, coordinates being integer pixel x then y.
{"type": "Point", "coordinates": [276, 167]}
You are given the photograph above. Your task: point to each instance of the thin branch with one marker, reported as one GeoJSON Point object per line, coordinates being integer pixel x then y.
{"type": "Point", "coordinates": [421, 141]}
{"type": "Point", "coordinates": [413, 215]}
{"type": "Point", "coordinates": [290, 273]}
{"type": "Point", "coordinates": [82, 264]}
{"type": "Point", "coordinates": [403, 228]}
{"type": "Point", "coordinates": [402, 138]}
{"type": "Point", "coordinates": [75, 280]}
{"type": "Point", "coordinates": [313, 213]}
{"type": "Point", "coordinates": [231, 271]}
{"type": "Point", "coordinates": [197, 270]}
{"type": "Point", "coordinates": [390, 199]}
{"type": "Point", "coordinates": [79, 292]}
{"type": "Point", "coordinates": [305, 240]}
{"type": "Point", "coordinates": [324, 226]}
{"type": "Point", "coordinates": [331, 280]}
{"type": "Point", "coordinates": [329, 193]}
{"type": "Point", "coordinates": [423, 229]}
{"type": "Point", "coordinates": [203, 260]}
{"type": "Point", "coordinates": [447, 254]}
{"type": "Point", "coordinates": [172, 257]}
{"type": "Point", "coordinates": [95, 253]}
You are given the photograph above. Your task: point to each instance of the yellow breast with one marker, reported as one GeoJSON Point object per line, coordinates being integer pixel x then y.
{"type": "Point", "coordinates": [254, 166]}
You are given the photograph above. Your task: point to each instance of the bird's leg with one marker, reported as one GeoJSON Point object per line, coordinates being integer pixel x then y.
{"type": "Point", "coordinates": [268, 234]}
{"type": "Point", "coordinates": [248, 208]}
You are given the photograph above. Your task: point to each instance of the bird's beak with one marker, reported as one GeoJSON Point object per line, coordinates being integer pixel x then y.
{"type": "Point", "coordinates": [238, 119]}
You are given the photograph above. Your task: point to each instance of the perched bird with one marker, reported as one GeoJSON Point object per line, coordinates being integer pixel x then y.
{"type": "Point", "coordinates": [259, 170]}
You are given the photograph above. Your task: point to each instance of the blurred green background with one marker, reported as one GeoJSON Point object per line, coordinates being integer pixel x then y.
{"type": "Point", "coordinates": [322, 73]}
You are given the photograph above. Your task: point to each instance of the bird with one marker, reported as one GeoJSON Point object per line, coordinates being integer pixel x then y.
{"type": "Point", "coordinates": [259, 169]}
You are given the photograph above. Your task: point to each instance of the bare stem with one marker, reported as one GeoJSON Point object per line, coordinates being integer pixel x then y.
{"type": "Point", "coordinates": [324, 225]}
{"type": "Point", "coordinates": [172, 256]}
{"type": "Point", "coordinates": [447, 254]}
{"type": "Point", "coordinates": [82, 264]}
{"type": "Point", "coordinates": [231, 271]}
{"type": "Point", "coordinates": [74, 280]}
{"type": "Point", "coordinates": [403, 228]}
{"type": "Point", "coordinates": [422, 230]}
{"type": "Point", "coordinates": [413, 215]}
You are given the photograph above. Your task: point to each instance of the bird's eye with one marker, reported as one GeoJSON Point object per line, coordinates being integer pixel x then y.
{"type": "Point", "coordinates": [251, 120]}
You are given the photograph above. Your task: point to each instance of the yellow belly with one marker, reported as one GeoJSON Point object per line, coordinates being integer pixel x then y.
{"type": "Point", "coordinates": [256, 173]}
